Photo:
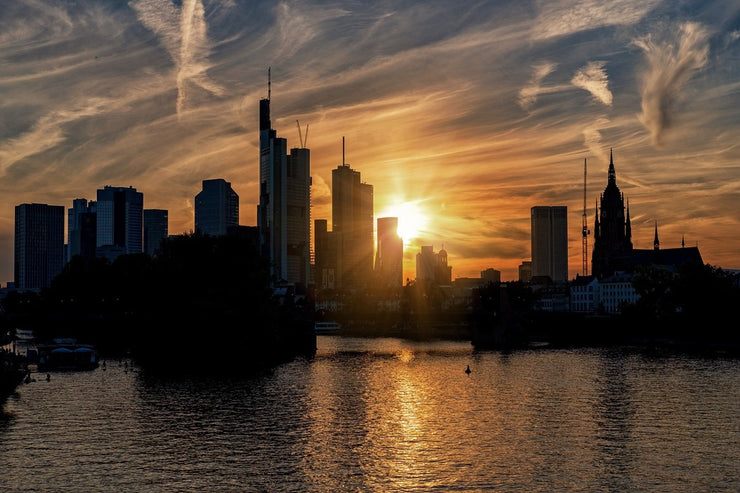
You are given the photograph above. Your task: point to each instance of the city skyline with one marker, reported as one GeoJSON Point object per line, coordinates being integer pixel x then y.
{"type": "Point", "coordinates": [465, 118]}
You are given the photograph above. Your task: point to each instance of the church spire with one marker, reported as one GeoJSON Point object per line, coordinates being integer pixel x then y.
{"type": "Point", "coordinates": [656, 242]}
{"type": "Point", "coordinates": [612, 173]}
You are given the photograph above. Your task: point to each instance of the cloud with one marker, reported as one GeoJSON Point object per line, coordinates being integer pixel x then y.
{"type": "Point", "coordinates": [593, 79]}
{"type": "Point", "coordinates": [563, 18]}
{"type": "Point", "coordinates": [47, 132]}
{"type": "Point", "coordinates": [528, 94]}
{"type": "Point", "coordinates": [670, 65]}
{"type": "Point", "coordinates": [592, 138]}
{"type": "Point", "coordinates": [184, 35]}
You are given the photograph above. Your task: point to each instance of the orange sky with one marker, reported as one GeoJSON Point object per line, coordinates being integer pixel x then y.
{"type": "Point", "coordinates": [473, 114]}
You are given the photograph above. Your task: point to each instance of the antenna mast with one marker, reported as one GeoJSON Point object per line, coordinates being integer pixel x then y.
{"type": "Point", "coordinates": [586, 231]}
{"type": "Point", "coordinates": [268, 83]}
{"type": "Point", "coordinates": [304, 138]}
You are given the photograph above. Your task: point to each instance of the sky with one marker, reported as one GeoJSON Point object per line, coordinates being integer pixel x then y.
{"type": "Point", "coordinates": [462, 115]}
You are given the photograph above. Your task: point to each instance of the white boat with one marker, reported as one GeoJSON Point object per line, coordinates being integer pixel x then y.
{"type": "Point", "coordinates": [327, 327]}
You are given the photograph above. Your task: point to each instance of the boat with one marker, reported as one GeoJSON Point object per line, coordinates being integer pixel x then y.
{"type": "Point", "coordinates": [66, 354]}
{"type": "Point", "coordinates": [327, 327]}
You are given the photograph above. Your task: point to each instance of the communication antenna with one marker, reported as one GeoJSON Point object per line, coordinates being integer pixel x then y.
{"type": "Point", "coordinates": [343, 150]}
{"type": "Point", "coordinates": [586, 231]}
{"type": "Point", "coordinates": [300, 135]}
{"type": "Point", "coordinates": [304, 139]}
{"type": "Point", "coordinates": [269, 82]}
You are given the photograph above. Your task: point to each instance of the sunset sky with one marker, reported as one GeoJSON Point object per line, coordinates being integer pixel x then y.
{"type": "Point", "coordinates": [466, 113]}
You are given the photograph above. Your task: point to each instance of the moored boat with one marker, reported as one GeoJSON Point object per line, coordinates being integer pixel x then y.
{"type": "Point", "coordinates": [327, 327]}
{"type": "Point", "coordinates": [66, 354]}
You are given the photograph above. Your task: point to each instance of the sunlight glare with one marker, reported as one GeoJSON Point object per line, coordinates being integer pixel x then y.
{"type": "Point", "coordinates": [412, 221]}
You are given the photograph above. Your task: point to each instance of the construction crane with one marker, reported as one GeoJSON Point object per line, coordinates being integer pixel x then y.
{"type": "Point", "coordinates": [586, 231]}
{"type": "Point", "coordinates": [304, 141]}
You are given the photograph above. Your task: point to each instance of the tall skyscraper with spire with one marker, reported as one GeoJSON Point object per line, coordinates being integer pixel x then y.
{"type": "Point", "coordinates": [284, 210]}
{"type": "Point", "coordinates": [352, 218]}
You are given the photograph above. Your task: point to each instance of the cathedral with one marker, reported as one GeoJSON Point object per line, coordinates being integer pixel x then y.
{"type": "Point", "coordinates": [613, 251]}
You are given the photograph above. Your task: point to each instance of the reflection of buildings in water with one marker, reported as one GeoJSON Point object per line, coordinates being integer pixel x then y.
{"type": "Point", "coordinates": [613, 413]}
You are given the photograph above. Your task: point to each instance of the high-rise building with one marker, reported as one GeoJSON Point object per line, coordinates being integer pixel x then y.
{"type": "Point", "coordinates": [216, 208]}
{"type": "Point", "coordinates": [39, 245]}
{"type": "Point", "coordinates": [284, 210]}
{"type": "Point", "coordinates": [327, 262]}
{"type": "Point", "coordinates": [433, 267]}
{"type": "Point", "coordinates": [525, 271]}
{"type": "Point", "coordinates": [81, 229]}
{"type": "Point", "coordinates": [389, 253]}
{"type": "Point", "coordinates": [119, 221]}
{"type": "Point", "coordinates": [352, 218]}
{"type": "Point", "coordinates": [491, 275]}
{"type": "Point", "coordinates": [155, 229]}
{"type": "Point", "coordinates": [549, 236]}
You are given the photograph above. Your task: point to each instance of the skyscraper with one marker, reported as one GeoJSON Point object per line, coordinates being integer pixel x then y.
{"type": "Point", "coordinates": [155, 229]}
{"type": "Point", "coordinates": [549, 236]}
{"type": "Point", "coordinates": [352, 218]}
{"type": "Point", "coordinates": [216, 208]}
{"type": "Point", "coordinates": [39, 244]}
{"type": "Point", "coordinates": [119, 221]}
{"type": "Point", "coordinates": [389, 253]}
{"type": "Point", "coordinates": [433, 267]}
{"type": "Point", "coordinates": [81, 229]}
{"type": "Point", "coordinates": [284, 210]}
{"type": "Point", "coordinates": [327, 260]}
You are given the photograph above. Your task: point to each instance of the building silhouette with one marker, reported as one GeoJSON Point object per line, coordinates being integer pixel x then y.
{"type": "Point", "coordinates": [216, 208]}
{"type": "Point", "coordinates": [549, 237]}
{"type": "Point", "coordinates": [284, 210]}
{"type": "Point", "coordinates": [119, 228]}
{"type": "Point", "coordinates": [327, 262]}
{"type": "Point", "coordinates": [155, 229]}
{"type": "Point", "coordinates": [352, 220]}
{"type": "Point", "coordinates": [432, 267]}
{"type": "Point", "coordinates": [39, 245]}
{"type": "Point", "coordinates": [389, 253]}
{"type": "Point", "coordinates": [613, 251]}
{"type": "Point", "coordinates": [82, 229]}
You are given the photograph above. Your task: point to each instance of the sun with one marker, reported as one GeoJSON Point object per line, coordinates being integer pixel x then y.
{"type": "Point", "coordinates": [412, 220]}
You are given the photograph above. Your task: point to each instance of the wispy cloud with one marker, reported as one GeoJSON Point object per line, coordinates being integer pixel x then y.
{"type": "Point", "coordinates": [563, 18]}
{"type": "Point", "coordinates": [670, 65]}
{"type": "Point", "coordinates": [184, 35]}
{"type": "Point", "coordinates": [593, 79]}
{"type": "Point", "coordinates": [528, 94]}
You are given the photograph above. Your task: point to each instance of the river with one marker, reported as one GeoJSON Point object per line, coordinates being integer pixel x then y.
{"type": "Point", "coordinates": [385, 415]}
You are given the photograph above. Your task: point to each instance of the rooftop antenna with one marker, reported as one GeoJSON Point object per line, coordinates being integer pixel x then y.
{"type": "Point", "coordinates": [268, 82]}
{"type": "Point", "coordinates": [343, 151]}
{"type": "Point", "coordinates": [586, 231]}
{"type": "Point", "coordinates": [304, 139]}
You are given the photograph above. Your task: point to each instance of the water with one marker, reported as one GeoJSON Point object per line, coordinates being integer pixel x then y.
{"type": "Point", "coordinates": [386, 415]}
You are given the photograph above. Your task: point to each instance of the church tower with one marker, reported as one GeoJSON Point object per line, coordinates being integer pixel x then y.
{"type": "Point", "coordinates": [612, 230]}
